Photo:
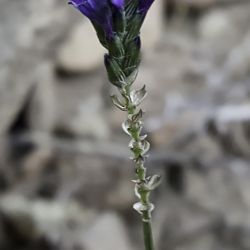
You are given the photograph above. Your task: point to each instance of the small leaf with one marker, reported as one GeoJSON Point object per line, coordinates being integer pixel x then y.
{"type": "Point", "coordinates": [137, 96]}
{"type": "Point", "coordinates": [132, 77]}
{"type": "Point", "coordinates": [153, 182]}
{"type": "Point", "coordinates": [116, 48]}
{"type": "Point", "coordinates": [118, 103]}
{"type": "Point", "coordinates": [145, 147]}
{"type": "Point", "coordinates": [140, 208]}
{"type": "Point", "coordinates": [138, 116]}
{"type": "Point", "coordinates": [126, 126]}
{"type": "Point", "coordinates": [133, 26]}
{"type": "Point", "coordinates": [143, 137]}
{"type": "Point", "coordinates": [131, 144]}
{"type": "Point", "coordinates": [119, 21]}
{"type": "Point", "coordinates": [132, 58]}
{"type": "Point", "coordinates": [136, 151]}
{"type": "Point", "coordinates": [115, 73]}
{"type": "Point", "coordinates": [136, 181]}
{"type": "Point", "coordinates": [137, 191]}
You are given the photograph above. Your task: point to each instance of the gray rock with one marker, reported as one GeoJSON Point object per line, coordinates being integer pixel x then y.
{"type": "Point", "coordinates": [204, 4]}
{"type": "Point", "coordinates": [107, 233]}
{"type": "Point", "coordinates": [22, 50]}
{"type": "Point", "coordinates": [152, 29]}
{"type": "Point", "coordinates": [183, 225]}
{"type": "Point", "coordinates": [42, 107]}
{"type": "Point", "coordinates": [201, 4]}
{"type": "Point", "coordinates": [90, 120]}
{"type": "Point", "coordinates": [222, 190]}
{"type": "Point", "coordinates": [81, 52]}
{"type": "Point", "coordinates": [14, 90]}
{"type": "Point", "coordinates": [41, 218]}
{"type": "Point", "coordinates": [230, 128]}
{"type": "Point", "coordinates": [237, 64]}
{"type": "Point", "coordinates": [220, 25]}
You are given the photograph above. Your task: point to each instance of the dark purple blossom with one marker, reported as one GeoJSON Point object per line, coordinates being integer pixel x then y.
{"type": "Point", "coordinates": [105, 13]}
{"type": "Point", "coordinates": [98, 11]}
{"type": "Point", "coordinates": [118, 3]}
{"type": "Point", "coordinates": [144, 6]}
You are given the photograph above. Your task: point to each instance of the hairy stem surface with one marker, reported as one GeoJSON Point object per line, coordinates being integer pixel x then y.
{"type": "Point", "coordinates": [143, 184]}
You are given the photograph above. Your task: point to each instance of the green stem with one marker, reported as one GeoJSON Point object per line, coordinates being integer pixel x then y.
{"type": "Point", "coordinates": [142, 190]}
{"type": "Point", "coordinates": [147, 231]}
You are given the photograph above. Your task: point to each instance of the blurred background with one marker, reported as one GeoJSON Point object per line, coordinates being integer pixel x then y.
{"type": "Point", "coordinates": [64, 168]}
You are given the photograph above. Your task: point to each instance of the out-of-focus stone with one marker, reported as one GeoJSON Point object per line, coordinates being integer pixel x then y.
{"type": "Point", "coordinates": [81, 52]}
{"type": "Point", "coordinates": [108, 232]}
{"type": "Point", "coordinates": [90, 120]}
{"type": "Point", "coordinates": [35, 163]}
{"type": "Point", "coordinates": [220, 25]}
{"type": "Point", "coordinates": [229, 126]}
{"type": "Point", "coordinates": [42, 218]}
{"type": "Point", "coordinates": [184, 225]}
{"type": "Point", "coordinates": [152, 29]}
{"type": "Point", "coordinates": [223, 189]}
{"type": "Point", "coordinates": [237, 64]}
{"type": "Point", "coordinates": [42, 113]}
{"type": "Point", "coordinates": [204, 4]}
{"type": "Point", "coordinates": [19, 54]}
{"type": "Point", "coordinates": [201, 4]}
{"type": "Point", "coordinates": [15, 89]}
{"type": "Point", "coordinates": [214, 24]}
{"type": "Point", "coordinates": [93, 125]}
{"type": "Point", "coordinates": [122, 197]}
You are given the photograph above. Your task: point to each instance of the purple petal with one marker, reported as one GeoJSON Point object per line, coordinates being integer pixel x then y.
{"type": "Point", "coordinates": [144, 6]}
{"type": "Point", "coordinates": [118, 3]}
{"type": "Point", "coordinates": [98, 4]}
{"type": "Point", "coordinates": [99, 12]}
{"type": "Point", "coordinates": [83, 7]}
{"type": "Point", "coordinates": [76, 3]}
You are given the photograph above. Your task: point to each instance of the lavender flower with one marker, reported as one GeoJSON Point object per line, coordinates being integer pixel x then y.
{"type": "Point", "coordinates": [118, 24]}
{"type": "Point", "coordinates": [99, 13]}
{"type": "Point", "coordinates": [144, 6]}
{"type": "Point", "coordinates": [105, 14]}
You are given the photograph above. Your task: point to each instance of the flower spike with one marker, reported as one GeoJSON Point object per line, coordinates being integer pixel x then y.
{"type": "Point", "coordinates": [117, 24]}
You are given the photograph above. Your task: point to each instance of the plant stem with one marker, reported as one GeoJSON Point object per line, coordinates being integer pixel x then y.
{"type": "Point", "coordinates": [147, 232]}
{"type": "Point", "coordinates": [142, 187]}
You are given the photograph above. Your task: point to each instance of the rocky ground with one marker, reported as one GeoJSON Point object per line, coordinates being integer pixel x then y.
{"type": "Point", "coordinates": [64, 167]}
